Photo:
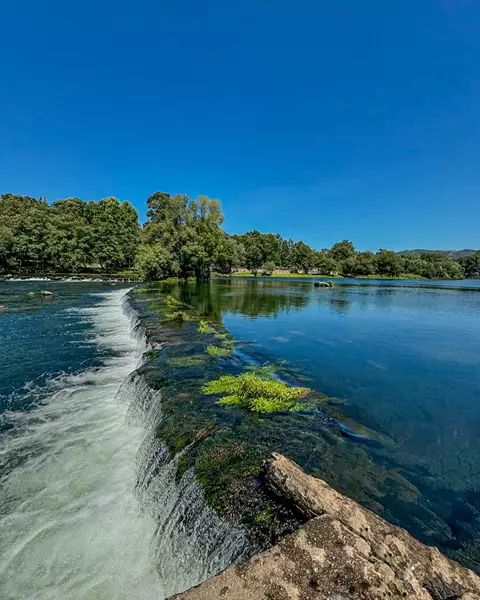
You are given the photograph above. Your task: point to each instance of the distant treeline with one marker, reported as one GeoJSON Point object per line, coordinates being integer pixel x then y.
{"type": "Point", "coordinates": [182, 237]}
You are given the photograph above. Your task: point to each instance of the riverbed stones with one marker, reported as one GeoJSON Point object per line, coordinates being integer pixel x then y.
{"type": "Point", "coordinates": [344, 552]}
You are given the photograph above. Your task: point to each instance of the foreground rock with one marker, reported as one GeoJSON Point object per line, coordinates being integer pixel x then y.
{"type": "Point", "coordinates": [344, 552]}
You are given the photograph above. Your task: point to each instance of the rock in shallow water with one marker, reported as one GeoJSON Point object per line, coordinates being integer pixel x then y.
{"type": "Point", "coordinates": [345, 552]}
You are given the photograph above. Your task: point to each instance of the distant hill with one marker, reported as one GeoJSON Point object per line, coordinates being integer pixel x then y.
{"type": "Point", "coordinates": [449, 253]}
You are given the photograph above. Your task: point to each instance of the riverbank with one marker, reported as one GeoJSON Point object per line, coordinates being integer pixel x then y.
{"type": "Point", "coordinates": [404, 276]}
{"type": "Point", "coordinates": [89, 277]}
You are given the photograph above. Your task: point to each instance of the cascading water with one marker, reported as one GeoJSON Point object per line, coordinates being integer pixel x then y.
{"type": "Point", "coordinates": [89, 505]}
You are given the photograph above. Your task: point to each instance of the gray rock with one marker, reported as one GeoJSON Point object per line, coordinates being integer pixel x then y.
{"type": "Point", "coordinates": [344, 552]}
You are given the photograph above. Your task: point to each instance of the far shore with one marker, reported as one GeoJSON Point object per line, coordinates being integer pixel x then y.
{"type": "Point", "coordinates": [406, 276]}
{"type": "Point", "coordinates": [131, 277]}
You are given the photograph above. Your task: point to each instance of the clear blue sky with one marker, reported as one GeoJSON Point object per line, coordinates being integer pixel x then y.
{"type": "Point", "coordinates": [319, 120]}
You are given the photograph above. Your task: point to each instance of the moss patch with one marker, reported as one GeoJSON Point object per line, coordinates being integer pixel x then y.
{"type": "Point", "coordinates": [186, 361]}
{"type": "Point", "coordinates": [224, 350]}
{"type": "Point", "coordinates": [256, 393]}
{"type": "Point", "coordinates": [205, 327]}
{"type": "Point", "coordinates": [179, 316]}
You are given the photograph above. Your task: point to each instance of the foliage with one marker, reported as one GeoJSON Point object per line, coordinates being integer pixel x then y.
{"type": "Point", "coordinates": [302, 257]}
{"type": "Point", "coordinates": [188, 231]}
{"type": "Point", "coordinates": [66, 236]}
{"type": "Point", "coordinates": [270, 267]}
{"type": "Point", "coordinates": [256, 392]}
{"type": "Point", "coordinates": [183, 238]}
{"type": "Point", "coordinates": [471, 265]}
{"type": "Point", "coordinates": [153, 262]}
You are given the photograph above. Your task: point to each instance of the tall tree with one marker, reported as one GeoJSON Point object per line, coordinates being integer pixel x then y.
{"type": "Point", "coordinates": [342, 250]}
{"type": "Point", "coordinates": [303, 257]}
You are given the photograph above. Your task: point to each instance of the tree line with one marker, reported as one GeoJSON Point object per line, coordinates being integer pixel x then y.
{"type": "Point", "coordinates": [182, 237]}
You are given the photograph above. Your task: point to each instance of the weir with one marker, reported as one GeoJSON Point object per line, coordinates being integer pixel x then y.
{"type": "Point", "coordinates": [90, 503]}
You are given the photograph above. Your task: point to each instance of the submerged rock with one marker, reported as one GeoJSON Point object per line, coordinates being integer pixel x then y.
{"type": "Point", "coordinates": [344, 551]}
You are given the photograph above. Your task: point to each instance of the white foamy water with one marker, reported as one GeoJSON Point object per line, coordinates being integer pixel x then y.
{"type": "Point", "coordinates": [70, 525]}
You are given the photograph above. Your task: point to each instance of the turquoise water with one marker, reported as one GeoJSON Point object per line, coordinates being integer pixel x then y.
{"type": "Point", "coordinates": [70, 523]}
{"type": "Point", "coordinates": [405, 358]}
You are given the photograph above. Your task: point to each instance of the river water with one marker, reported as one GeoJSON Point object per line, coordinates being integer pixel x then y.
{"type": "Point", "coordinates": [405, 358]}
{"type": "Point", "coordinates": [70, 524]}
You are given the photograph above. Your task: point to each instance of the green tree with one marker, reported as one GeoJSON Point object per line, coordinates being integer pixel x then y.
{"type": "Point", "coordinates": [30, 223]}
{"type": "Point", "coordinates": [364, 264]}
{"type": "Point", "coordinates": [270, 267]}
{"type": "Point", "coordinates": [303, 257]}
{"type": "Point", "coordinates": [253, 258]}
{"type": "Point", "coordinates": [115, 232]}
{"type": "Point", "coordinates": [188, 230]}
{"type": "Point", "coordinates": [72, 241]}
{"type": "Point", "coordinates": [342, 250]}
{"type": "Point", "coordinates": [388, 263]}
{"type": "Point", "coordinates": [6, 245]}
{"type": "Point", "coordinates": [471, 266]}
{"type": "Point", "coordinates": [154, 262]}
{"type": "Point", "coordinates": [230, 255]}
{"type": "Point", "coordinates": [324, 264]}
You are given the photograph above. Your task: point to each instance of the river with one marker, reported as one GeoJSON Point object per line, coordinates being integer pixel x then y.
{"type": "Point", "coordinates": [70, 524]}
{"type": "Point", "coordinates": [404, 357]}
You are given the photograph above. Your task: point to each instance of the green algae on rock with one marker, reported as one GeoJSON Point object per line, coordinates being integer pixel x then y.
{"type": "Point", "coordinates": [186, 361]}
{"type": "Point", "coordinates": [205, 327]}
{"type": "Point", "coordinates": [180, 316]}
{"type": "Point", "coordinates": [224, 349]}
{"type": "Point", "coordinates": [256, 393]}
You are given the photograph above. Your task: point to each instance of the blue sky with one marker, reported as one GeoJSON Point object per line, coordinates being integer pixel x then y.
{"type": "Point", "coordinates": [319, 120]}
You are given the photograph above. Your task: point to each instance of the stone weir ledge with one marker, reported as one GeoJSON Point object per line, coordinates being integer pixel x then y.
{"type": "Point", "coordinates": [343, 552]}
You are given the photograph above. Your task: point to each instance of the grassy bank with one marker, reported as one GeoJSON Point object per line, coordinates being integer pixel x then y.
{"type": "Point", "coordinates": [280, 275]}
{"type": "Point", "coordinates": [404, 276]}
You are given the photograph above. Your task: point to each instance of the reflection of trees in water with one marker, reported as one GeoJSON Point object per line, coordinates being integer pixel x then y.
{"type": "Point", "coordinates": [250, 298]}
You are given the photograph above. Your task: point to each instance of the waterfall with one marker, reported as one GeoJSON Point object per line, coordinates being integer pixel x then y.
{"type": "Point", "coordinates": [89, 504]}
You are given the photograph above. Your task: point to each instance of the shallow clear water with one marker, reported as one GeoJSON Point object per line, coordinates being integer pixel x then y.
{"type": "Point", "coordinates": [405, 359]}
{"type": "Point", "coordinates": [70, 524]}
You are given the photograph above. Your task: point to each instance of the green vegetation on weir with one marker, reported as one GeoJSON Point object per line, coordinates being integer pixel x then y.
{"type": "Point", "coordinates": [184, 238]}
{"type": "Point", "coordinates": [225, 441]}
{"type": "Point", "coordinates": [256, 392]}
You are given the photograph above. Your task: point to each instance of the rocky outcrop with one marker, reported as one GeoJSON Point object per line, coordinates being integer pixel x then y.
{"type": "Point", "coordinates": [344, 552]}
{"type": "Point", "coordinates": [322, 284]}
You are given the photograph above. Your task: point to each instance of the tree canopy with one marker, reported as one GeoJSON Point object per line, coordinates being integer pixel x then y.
{"type": "Point", "coordinates": [183, 237]}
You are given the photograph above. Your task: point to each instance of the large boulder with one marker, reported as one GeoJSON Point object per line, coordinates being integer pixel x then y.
{"type": "Point", "coordinates": [344, 552]}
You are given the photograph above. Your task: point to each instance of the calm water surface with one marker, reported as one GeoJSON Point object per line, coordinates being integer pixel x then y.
{"type": "Point", "coordinates": [406, 360]}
